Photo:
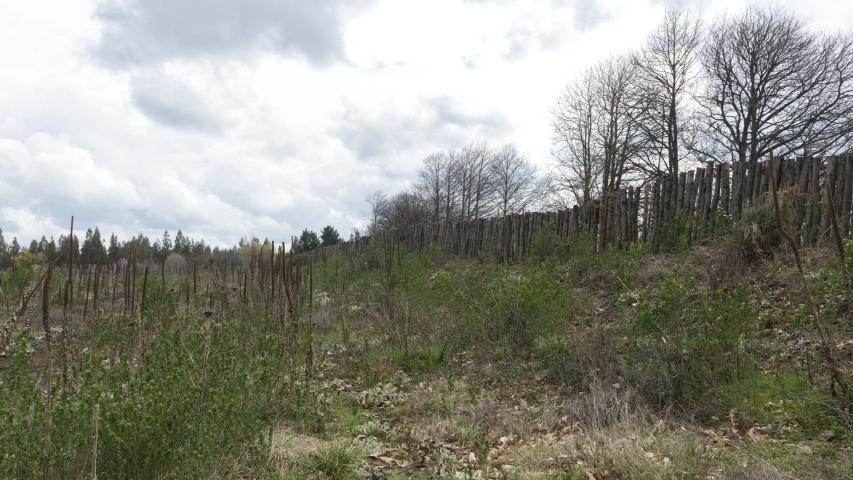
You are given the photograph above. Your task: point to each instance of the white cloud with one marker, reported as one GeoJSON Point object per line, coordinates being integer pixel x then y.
{"type": "Point", "coordinates": [264, 117]}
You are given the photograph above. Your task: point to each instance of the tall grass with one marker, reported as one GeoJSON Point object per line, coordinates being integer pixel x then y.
{"type": "Point", "coordinates": [152, 390]}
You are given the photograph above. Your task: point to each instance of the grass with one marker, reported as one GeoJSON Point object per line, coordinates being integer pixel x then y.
{"type": "Point", "coordinates": [784, 404]}
{"type": "Point", "coordinates": [174, 387]}
{"type": "Point", "coordinates": [334, 462]}
{"type": "Point", "coordinates": [644, 322]}
{"type": "Point", "coordinates": [618, 364]}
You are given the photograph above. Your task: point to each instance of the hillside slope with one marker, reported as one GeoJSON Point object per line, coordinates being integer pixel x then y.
{"type": "Point", "coordinates": [699, 363]}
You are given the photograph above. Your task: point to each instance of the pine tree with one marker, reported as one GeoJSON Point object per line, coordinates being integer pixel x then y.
{"type": "Point", "coordinates": [4, 252]}
{"type": "Point", "coordinates": [88, 252]}
{"type": "Point", "coordinates": [166, 244]}
{"type": "Point", "coordinates": [181, 243]}
{"type": "Point", "coordinates": [50, 250]}
{"type": "Point", "coordinates": [114, 252]}
{"type": "Point", "coordinates": [308, 240]}
{"type": "Point", "coordinates": [329, 236]}
{"type": "Point", "coordinates": [98, 250]}
{"type": "Point", "coordinates": [66, 247]}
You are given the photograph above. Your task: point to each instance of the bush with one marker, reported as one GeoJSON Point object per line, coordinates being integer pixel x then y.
{"type": "Point", "coordinates": [674, 235]}
{"type": "Point", "coordinates": [579, 360]}
{"type": "Point", "coordinates": [504, 307]}
{"type": "Point", "coordinates": [200, 392]}
{"type": "Point", "coordinates": [756, 234]}
{"type": "Point", "coordinates": [687, 340]}
{"type": "Point", "coordinates": [26, 260]}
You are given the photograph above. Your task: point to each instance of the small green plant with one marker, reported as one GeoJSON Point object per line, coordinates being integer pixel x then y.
{"type": "Point", "coordinates": [756, 234]}
{"type": "Point", "coordinates": [334, 462]}
{"type": "Point", "coordinates": [579, 360]}
{"type": "Point", "coordinates": [688, 340]}
{"type": "Point", "coordinates": [674, 235]}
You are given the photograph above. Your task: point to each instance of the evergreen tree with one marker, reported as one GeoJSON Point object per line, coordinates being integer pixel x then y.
{"type": "Point", "coordinates": [87, 251]}
{"type": "Point", "coordinates": [308, 241]}
{"type": "Point", "coordinates": [93, 247]}
{"type": "Point", "coordinates": [15, 248]}
{"type": "Point", "coordinates": [4, 252]}
{"type": "Point", "coordinates": [50, 250]}
{"type": "Point", "coordinates": [66, 247]}
{"type": "Point", "coordinates": [182, 245]}
{"type": "Point", "coordinates": [329, 236]}
{"type": "Point", "coordinates": [166, 244]}
{"type": "Point", "coordinates": [98, 249]}
{"type": "Point", "coordinates": [114, 252]}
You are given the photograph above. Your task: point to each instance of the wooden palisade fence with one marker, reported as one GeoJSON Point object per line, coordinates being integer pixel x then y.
{"type": "Point", "coordinates": [701, 200]}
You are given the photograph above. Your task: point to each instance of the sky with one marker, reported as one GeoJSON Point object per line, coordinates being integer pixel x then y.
{"type": "Point", "coordinates": [230, 119]}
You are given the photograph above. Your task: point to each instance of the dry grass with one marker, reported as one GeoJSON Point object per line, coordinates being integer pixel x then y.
{"type": "Point", "coordinates": [288, 447]}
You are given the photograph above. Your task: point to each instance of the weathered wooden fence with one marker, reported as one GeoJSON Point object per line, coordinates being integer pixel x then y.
{"type": "Point", "coordinates": [699, 202]}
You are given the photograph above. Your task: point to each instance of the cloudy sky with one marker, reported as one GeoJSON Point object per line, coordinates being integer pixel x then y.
{"type": "Point", "coordinates": [228, 118]}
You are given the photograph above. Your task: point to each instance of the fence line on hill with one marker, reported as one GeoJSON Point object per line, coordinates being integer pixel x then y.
{"type": "Point", "coordinates": [700, 201]}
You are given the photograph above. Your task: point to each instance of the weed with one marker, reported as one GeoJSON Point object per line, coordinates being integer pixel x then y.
{"type": "Point", "coordinates": [333, 462]}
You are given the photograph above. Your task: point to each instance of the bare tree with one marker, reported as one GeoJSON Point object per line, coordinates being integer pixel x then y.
{"type": "Point", "coordinates": [773, 86]}
{"type": "Point", "coordinates": [472, 169]}
{"type": "Point", "coordinates": [431, 183]}
{"type": "Point", "coordinates": [596, 133]}
{"type": "Point", "coordinates": [377, 201]}
{"type": "Point", "coordinates": [514, 181]}
{"type": "Point", "coordinates": [578, 163]}
{"type": "Point", "coordinates": [404, 209]}
{"type": "Point", "coordinates": [616, 129]}
{"type": "Point", "coordinates": [668, 71]}
{"type": "Point", "coordinates": [452, 186]}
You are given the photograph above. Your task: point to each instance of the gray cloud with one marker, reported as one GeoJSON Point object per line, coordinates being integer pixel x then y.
{"type": "Point", "coordinates": [448, 113]}
{"type": "Point", "coordinates": [588, 14]}
{"type": "Point", "coordinates": [139, 32]}
{"type": "Point", "coordinates": [291, 144]}
{"type": "Point", "coordinates": [436, 123]}
{"type": "Point", "coordinates": [172, 103]}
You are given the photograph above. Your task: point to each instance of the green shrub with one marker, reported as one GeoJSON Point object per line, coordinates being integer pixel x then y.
{"type": "Point", "coordinates": [335, 462]}
{"type": "Point", "coordinates": [674, 235]}
{"type": "Point", "coordinates": [688, 340]}
{"type": "Point", "coordinates": [200, 391]}
{"type": "Point", "coordinates": [502, 306]}
{"type": "Point", "coordinates": [581, 359]}
{"type": "Point", "coordinates": [756, 233]}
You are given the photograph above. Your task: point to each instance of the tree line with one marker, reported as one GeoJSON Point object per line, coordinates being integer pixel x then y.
{"type": "Point", "coordinates": [93, 250]}
{"type": "Point", "coordinates": [733, 90]}
{"type": "Point", "coordinates": [476, 181]}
